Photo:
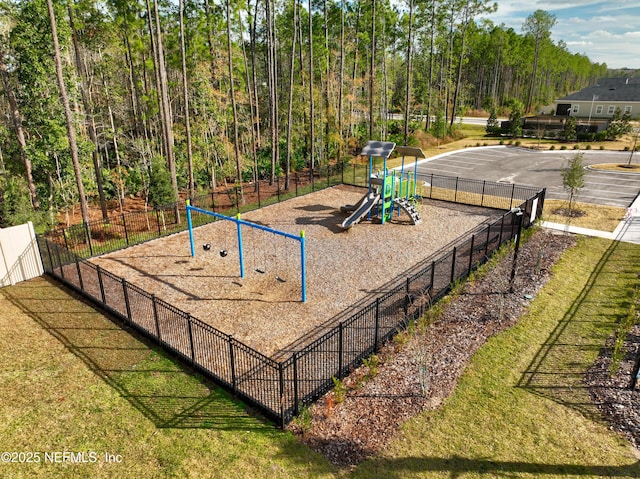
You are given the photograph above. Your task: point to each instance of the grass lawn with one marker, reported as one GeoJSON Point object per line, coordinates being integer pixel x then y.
{"type": "Point", "coordinates": [72, 380]}
{"type": "Point", "coordinates": [520, 409]}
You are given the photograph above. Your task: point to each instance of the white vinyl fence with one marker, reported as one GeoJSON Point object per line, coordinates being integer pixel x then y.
{"type": "Point", "coordinates": [19, 254]}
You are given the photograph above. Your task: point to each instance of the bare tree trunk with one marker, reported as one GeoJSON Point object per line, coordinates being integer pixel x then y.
{"type": "Point", "coordinates": [312, 113]}
{"type": "Point", "coordinates": [16, 119]}
{"type": "Point", "coordinates": [252, 35]}
{"type": "Point", "coordinates": [156, 72]}
{"type": "Point", "coordinates": [341, 84]}
{"type": "Point", "coordinates": [355, 71]}
{"type": "Point", "coordinates": [252, 108]}
{"type": "Point", "coordinates": [372, 68]}
{"type": "Point", "coordinates": [427, 123]}
{"type": "Point", "coordinates": [185, 92]}
{"type": "Point", "coordinates": [80, 68]}
{"type": "Point", "coordinates": [291, 76]}
{"type": "Point", "coordinates": [409, 73]}
{"type": "Point", "coordinates": [232, 91]}
{"type": "Point", "coordinates": [168, 128]}
{"type": "Point", "coordinates": [327, 111]}
{"type": "Point", "coordinates": [71, 133]}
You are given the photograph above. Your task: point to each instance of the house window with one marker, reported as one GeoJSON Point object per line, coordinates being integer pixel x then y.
{"type": "Point", "coordinates": [575, 109]}
{"type": "Point", "coordinates": [599, 109]}
{"type": "Point", "coordinates": [627, 110]}
{"type": "Point", "coordinates": [611, 109]}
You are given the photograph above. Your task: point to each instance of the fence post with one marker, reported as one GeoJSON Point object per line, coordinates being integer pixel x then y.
{"type": "Point", "coordinates": [99, 271]}
{"type": "Point", "coordinates": [87, 231]}
{"type": "Point", "coordinates": [296, 410]}
{"type": "Point", "coordinates": [376, 344]}
{"type": "Point", "coordinates": [158, 221]}
{"type": "Point", "coordinates": [127, 303]}
{"type": "Point", "coordinates": [635, 373]}
{"type": "Point", "coordinates": [233, 365]}
{"type": "Point", "coordinates": [59, 261]}
{"type": "Point", "coordinates": [433, 276]}
{"type": "Point", "coordinates": [453, 264]}
{"type": "Point", "coordinates": [473, 238]}
{"type": "Point", "coordinates": [46, 242]}
{"type": "Point", "coordinates": [513, 189]}
{"type": "Point", "coordinates": [486, 247]}
{"type": "Point", "coordinates": [455, 195]}
{"type": "Point", "coordinates": [155, 316]}
{"type": "Point", "coordinates": [312, 180]}
{"type": "Point", "coordinates": [126, 233]}
{"type": "Point", "coordinates": [193, 356]}
{"type": "Point", "coordinates": [501, 230]}
{"type": "Point", "coordinates": [64, 236]}
{"type": "Point", "coordinates": [281, 381]}
{"type": "Point", "coordinates": [278, 187]}
{"type": "Point", "coordinates": [484, 182]}
{"type": "Point", "coordinates": [340, 348]}
{"type": "Point", "coordinates": [406, 297]}
{"type": "Point", "coordinates": [259, 194]}
{"type": "Point", "coordinates": [79, 274]}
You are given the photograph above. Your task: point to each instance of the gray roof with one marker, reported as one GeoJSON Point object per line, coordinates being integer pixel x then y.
{"type": "Point", "coordinates": [609, 89]}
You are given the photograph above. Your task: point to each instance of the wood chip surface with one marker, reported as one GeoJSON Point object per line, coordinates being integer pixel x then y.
{"type": "Point", "coordinates": [264, 310]}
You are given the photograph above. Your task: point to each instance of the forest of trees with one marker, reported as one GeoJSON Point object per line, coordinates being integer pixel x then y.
{"type": "Point", "coordinates": [102, 100]}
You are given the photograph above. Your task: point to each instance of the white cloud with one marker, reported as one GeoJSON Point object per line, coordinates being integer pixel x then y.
{"type": "Point", "coordinates": [605, 31]}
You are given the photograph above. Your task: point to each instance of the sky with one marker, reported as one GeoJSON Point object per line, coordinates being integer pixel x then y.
{"type": "Point", "coordinates": [605, 31]}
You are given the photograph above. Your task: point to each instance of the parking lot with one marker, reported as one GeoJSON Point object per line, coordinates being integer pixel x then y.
{"type": "Point", "coordinates": [540, 168]}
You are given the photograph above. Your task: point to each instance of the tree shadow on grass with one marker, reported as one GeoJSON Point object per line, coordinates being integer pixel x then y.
{"type": "Point", "coordinates": [165, 391]}
{"type": "Point", "coordinates": [558, 368]}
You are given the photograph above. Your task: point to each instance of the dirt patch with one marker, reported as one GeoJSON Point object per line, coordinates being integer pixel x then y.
{"type": "Point", "coordinates": [569, 213]}
{"type": "Point", "coordinates": [419, 374]}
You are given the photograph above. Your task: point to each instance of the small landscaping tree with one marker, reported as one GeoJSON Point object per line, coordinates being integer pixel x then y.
{"type": "Point", "coordinates": [619, 125]}
{"type": "Point", "coordinates": [569, 132]}
{"type": "Point", "coordinates": [515, 118]}
{"type": "Point", "coordinates": [573, 179]}
{"type": "Point", "coordinates": [439, 127]}
{"type": "Point", "coordinates": [493, 126]}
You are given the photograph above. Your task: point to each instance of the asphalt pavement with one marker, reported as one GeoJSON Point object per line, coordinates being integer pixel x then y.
{"type": "Point", "coordinates": [524, 166]}
{"type": "Point", "coordinates": [540, 168]}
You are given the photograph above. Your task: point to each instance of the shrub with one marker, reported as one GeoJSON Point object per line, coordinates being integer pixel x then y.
{"type": "Point", "coordinates": [552, 147]}
{"type": "Point", "coordinates": [563, 147]}
{"type": "Point", "coordinates": [576, 147]}
{"type": "Point", "coordinates": [588, 147]}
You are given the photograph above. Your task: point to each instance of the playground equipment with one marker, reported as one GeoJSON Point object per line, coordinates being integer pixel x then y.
{"type": "Point", "coordinates": [256, 227]}
{"type": "Point", "coordinates": [386, 190]}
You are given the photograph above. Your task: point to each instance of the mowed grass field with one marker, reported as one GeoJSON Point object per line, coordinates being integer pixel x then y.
{"type": "Point", "coordinates": [74, 381]}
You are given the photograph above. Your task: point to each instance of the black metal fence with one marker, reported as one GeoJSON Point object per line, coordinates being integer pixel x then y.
{"type": "Point", "coordinates": [120, 231]}
{"type": "Point", "coordinates": [279, 388]}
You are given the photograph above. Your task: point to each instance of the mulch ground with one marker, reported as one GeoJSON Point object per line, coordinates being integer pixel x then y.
{"type": "Point", "coordinates": [418, 374]}
{"type": "Point", "coordinates": [263, 309]}
{"type": "Point", "coordinates": [611, 393]}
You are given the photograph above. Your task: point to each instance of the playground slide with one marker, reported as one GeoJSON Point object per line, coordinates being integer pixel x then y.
{"type": "Point", "coordinates": [365, 205]}
{"type": "Point", "coordinates": [352, 208]}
